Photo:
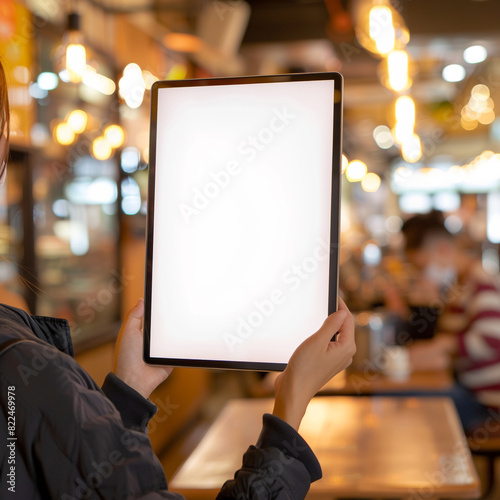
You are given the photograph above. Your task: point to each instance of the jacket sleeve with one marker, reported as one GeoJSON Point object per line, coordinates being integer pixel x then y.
{"type": "Point", "coordinates": [72, 438]}
{"type": "Point", "coordinates": [135, 410]}
{"type": "Point", "coordinates": [281, 466]}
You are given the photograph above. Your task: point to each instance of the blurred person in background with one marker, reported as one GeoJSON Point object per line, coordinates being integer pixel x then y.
{"type": "Point", "coordinates": [469, 300]}
{"type": "Point", "coordinates": [76, 440]}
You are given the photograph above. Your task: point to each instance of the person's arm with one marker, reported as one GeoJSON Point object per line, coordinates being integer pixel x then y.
{"type": "Point", "coordinates": [434, 354]}
{"type": "Point", "coordinates": [71, 440]}
{"type": "Point", "coordinates": [313, 364]}
{"type": "Point", "coordinates": [282, 465]}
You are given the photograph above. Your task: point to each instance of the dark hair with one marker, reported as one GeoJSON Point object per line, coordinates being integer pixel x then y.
{"type": "Point", "coordinates": [419, 228]}
{"type": "Point", "coordinates": [4, 115]}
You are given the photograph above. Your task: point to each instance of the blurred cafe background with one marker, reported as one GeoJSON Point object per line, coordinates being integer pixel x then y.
{"type": "Point", "coordinates": [421, 133]}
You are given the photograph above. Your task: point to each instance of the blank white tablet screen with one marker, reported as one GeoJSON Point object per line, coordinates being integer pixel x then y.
{"type": "Point", "coordinates": [242, 214]}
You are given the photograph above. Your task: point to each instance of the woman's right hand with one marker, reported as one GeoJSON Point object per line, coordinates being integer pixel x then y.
{"type": "Point", "coordinates": [313, 364]}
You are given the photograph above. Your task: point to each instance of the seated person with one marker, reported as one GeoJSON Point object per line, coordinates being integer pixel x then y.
{"type": "Point", "coordinates": [466, 292]}
{"type": "Point", "coordinates": [76, 440]}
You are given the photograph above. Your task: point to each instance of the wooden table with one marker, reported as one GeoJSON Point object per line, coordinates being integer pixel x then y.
{"type": "Point", "coordinates": [372, 382]}
{"type": "Point", "coordinates": [368, 447]}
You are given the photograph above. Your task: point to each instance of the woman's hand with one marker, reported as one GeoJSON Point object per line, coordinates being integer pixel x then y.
{"type": "Point", "coordinates": [313, 364]}
{"type": "Point", "coordinates": [128, 364]}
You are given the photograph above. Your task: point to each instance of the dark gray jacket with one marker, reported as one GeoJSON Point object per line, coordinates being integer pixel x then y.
{"type": "Point", "coordinates": [65, 438]}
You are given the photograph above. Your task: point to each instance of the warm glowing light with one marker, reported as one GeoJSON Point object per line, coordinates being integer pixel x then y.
{"type": "Point", "coordinates": [149, 79]}
{"type": "Point", "coordinates": [131, 86]}
{"type": "Point", "coordinates": [479, 109]}
{"type": "Point", "coordinates": [468, 124]}
{"type": "Point", "coordinates": [101, 150]}
{"type": "Point", "coordinates": [411, 150]}
{"type": "Point", "coordinates": [405, 119]}
{"type": "Point", "coordinates": [486, 118]}
{"type": "Point", "coordinates": [177, 72]}
{"type": "Point", "coordinates": [480, 91]}
{"type": "Point", "coordinates": [481, 105]}
{"type": "Point", "coordinates": [355, 170]}
{"type": "Point", "coordinates": [21, 74]}
{"type": "Point", "coordinates": [98, 82]}
{"type": "Point", "coordinates": [182, 42]}
{"type": "Point", "coordinates": [468, 113]}
{"type": "Point", "coordinates": [383, 137]}
{"type": "Point", "coordinates": [370, 182]}
{"type": "Point", "coordinates": [405, 109]}
{"type": "Point", "coordinates": [77, 121]}
{"type": "Point", "coordinates": [397, 65]}
{"type": "Point", "coordinates": [76, 62]}
{"type": "Point", "coordinates": [114, 135]}
{"type": "Point", "coordinates": [345, 162]}
{"type": "Point", "coordinates": [382, 29]}
{"type": "Point", "coordinates": [63, 134]}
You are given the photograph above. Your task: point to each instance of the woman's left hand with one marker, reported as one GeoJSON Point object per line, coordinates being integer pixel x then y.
{"type": "Point", "coordinates": [128, 364]}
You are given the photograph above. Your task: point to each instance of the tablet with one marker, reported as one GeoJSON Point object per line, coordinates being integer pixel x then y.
{"type": "Point", "coordinates": [242, 218]}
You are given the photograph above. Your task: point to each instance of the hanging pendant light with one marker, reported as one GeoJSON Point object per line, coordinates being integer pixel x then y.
{"type": "Point", "coordinates": [71, 56]}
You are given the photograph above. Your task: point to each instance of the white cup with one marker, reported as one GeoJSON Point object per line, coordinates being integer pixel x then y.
{"type": "Point", "coordinates": [396, 363]}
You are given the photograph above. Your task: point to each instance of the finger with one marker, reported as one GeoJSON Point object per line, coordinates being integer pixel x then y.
{"type": "Point", "coordinates": [342, 305]}
{"type": "Point", "coordinates": [331, 325]}
{"type": "Point", "coordinates": [134, 317]}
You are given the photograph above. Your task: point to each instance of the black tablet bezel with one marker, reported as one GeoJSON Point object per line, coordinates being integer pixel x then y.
{"type": "Point", "coordinates": [335, 208]}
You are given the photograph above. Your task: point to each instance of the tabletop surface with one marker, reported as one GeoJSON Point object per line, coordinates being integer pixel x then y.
{"type": "Point", "coordinates": [372, 382]}
{"type": "Point", "coordinates": [369, 446]}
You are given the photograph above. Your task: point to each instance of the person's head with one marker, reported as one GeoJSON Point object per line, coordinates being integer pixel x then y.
{"type": "Point", "coordinates": [430, 247]}
{"type": "Point", "coordinates": [4, 124]}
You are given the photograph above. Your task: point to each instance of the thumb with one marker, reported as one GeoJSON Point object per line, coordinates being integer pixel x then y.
{"type": "Point", "coordinates": [135, 315]}
{"type": "Point", "coordinates": [331, 325]}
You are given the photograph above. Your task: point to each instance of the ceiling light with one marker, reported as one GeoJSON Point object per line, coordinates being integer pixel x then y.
{"type": "Point", "coordinates": [454, 73]}
{"type": "Point", "coordinates": [114, 135]}
{"type": "Point", "coordinates": [131, 86]}
{"type": "Point", "coordinates": [382, 29]}
{"type": "Point", "coordinates": [71, 55]}
{"type": "Point", "coordinates": [486, 118]}
{"type": "Point", "coordinates": [411, 150]}
{"type": "Point", "coordinates": [397, 64]}
{"type": "Point", "coordinates": [98, 82]}
{"type": "Point", "coordinates": [77, 121]}
{"type": "Point", "coordinates": [475, 54]}
{"type": "Point", "coordinates": [370, 182]}
{"type": "Point", "coordinates": [63, 134]}
{"type": "Point", "coordinates": [101, 150]}
{"type": "Point", "coordinates": [355, 170]}
{"type": "Point", "coordinates": [47, 80]}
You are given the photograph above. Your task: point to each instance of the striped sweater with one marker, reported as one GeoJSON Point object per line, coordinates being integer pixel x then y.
{"type": "Point", "coordinates": [478, 363]}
